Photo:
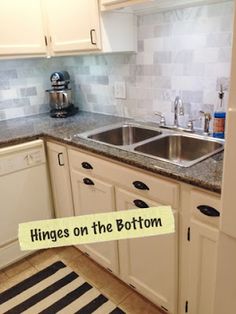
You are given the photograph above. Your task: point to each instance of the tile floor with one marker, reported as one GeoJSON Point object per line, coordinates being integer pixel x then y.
{"type": "Point", "coordinates": [121, 294]}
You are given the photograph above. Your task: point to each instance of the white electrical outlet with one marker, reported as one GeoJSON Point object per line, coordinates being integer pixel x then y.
{"type": "Point", "coordinates": [120, 90]}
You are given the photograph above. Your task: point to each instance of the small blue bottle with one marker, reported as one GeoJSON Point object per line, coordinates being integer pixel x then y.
{"type": "Point", "coordinates": [219, 117]}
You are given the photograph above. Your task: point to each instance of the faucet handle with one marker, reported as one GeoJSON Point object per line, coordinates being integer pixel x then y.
{"type": "Point", "coordinates": [207, 119]}
{"type": "Point", "coordinates": [162, 120]}
{"type": "Point", "coordinates": [190, 125]}
{"type": "Point", "coordinates": [207, 115]}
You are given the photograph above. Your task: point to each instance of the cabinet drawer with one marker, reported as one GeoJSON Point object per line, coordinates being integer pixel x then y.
{"type": "Point", "coordinates": [85, 163]}
{"type": "Point", "coordinates": [205, 207]}
{"type": "Point", "coordinates": [160, 190]}
{"type": "Point", "coordinates": [148, 186]}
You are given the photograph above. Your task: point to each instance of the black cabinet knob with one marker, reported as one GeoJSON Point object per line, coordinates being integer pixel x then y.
{"type": "Point", "coordinates": [86, 165]}
{"type": "Point", "coordinates": [140, 185]}
{"type": "Point", "coordinates": [88, 181]}
{"type": "Point", "coordinates": [208, 211]}
{"type": "Point", "coordinates": [140, 204]}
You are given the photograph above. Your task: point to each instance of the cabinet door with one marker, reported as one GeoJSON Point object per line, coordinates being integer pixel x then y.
{"type": "Point", "coordinates": [60, 180]}
{"type": "Point", "coordinates": [94, 196]}
{"type": "Point", "coordinates": [22, 30]}
{"type": "Point", "coordinates": [73, 25]}
{"type": "Point", "coordinates": [202, 266]}
{"type": "Point", "coordinates": [149, 264]}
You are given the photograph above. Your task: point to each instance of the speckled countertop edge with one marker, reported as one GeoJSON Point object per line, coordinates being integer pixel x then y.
{"type": "Point", "coordinates": [206, 174]}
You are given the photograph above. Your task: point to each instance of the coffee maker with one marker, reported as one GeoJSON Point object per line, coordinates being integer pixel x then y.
{"type": "Point", "coordinates": [60, 96]}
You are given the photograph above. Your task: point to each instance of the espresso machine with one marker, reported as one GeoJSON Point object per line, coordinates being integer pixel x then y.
{"type": "Point", "coordinates": [60, 96]}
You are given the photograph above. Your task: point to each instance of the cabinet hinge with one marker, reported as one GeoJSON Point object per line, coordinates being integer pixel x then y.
{"type": "Point", "coordinates": [109, 270]}
{"type": "Point", "coordinates": [164, 309]}
{"type": "Point", "coordinates": [186, 307]}
{"type": "Point", "coordinates": [86, 254]}
{"type": "Point", "coordinates": [188, 234]}
{"type": "Point", "coordinates": [132, 286]}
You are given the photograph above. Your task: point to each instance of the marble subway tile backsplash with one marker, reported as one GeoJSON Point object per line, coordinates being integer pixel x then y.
{"type": "Point", "coordinates": [185, 52]}
{"type": "Point", "coordinates": [22, 86]}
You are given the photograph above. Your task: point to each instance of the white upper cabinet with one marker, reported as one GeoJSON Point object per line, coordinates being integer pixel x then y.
{"type": "Point", "coordinates": [65, 27]}
{"type": "Point", "coordinates": [117, 4]}
{"type": "Point", "coordinates": [73, 25]}
{"type": "Point", "coordinates": [118, 31]}
{"type": "Point", "coordinates": [22, 29]}
{"type": "Point", "coordinates": [151, 6]}
{"type": "Point", "coordinates": [48, 27]}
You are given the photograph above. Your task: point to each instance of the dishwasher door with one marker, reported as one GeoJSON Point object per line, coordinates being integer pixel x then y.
{"type": "Point", "coordinates": [24, 194]}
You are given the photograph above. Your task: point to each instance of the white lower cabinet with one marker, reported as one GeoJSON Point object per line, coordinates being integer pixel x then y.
{"type": "Point", "coordinates": [202, 276]}
{"type": "Point", "coordinates": [171, 270]}
{"type": "Point", "coordinates": [198, 268]}
{"type": "Point", "coordinates": [92, 196]}
{"type": "Point", "coordinates": [149, 264]}
{"type": "Point", "coordinates": [60, 180]}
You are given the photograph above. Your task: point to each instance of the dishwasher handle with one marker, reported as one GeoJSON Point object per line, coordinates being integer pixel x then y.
{"type": "Point", "coordinates": [60, 162]}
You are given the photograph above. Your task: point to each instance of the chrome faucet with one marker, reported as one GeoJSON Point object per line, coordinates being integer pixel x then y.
{"type": "Point", "coordinates": [178, 110]}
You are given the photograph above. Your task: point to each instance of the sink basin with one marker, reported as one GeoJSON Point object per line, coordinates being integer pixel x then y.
{"type": "Point", "coordinates": [179, 149]}
{"type": "Point", "coordinates": [126, 134]}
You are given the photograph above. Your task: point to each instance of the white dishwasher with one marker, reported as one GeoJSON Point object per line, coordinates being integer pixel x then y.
{"type": "Point", "coordinates": [24, 194]}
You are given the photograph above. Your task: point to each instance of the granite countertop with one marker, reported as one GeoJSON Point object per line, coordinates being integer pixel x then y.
{"type": "Point", "coordinates": [206, 174]}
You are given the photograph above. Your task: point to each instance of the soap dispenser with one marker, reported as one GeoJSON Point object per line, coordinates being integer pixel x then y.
{"type": "Point", "coordinates": [219, 117]}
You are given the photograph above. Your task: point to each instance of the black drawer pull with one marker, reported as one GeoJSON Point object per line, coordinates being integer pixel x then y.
{"type": "Point", "coordinates": [140, 204]}
{"type": "Point", "coordinates": [86, 165]}
{"type": "Point", "coordinates": [208, 211]}
{"type": "Point", "coordinates": [140, 185]}
{"type": "Point", "coordinates": [59, 159]}
{"type": "Point", "coordinates": [88, 181]}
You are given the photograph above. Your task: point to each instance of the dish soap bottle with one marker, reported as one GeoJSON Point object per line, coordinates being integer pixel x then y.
{"type": "Point", "coordinates": [219, 117]}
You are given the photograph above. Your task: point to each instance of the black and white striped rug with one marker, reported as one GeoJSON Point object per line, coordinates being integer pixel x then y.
{"type": "Point", "coordinates": [55, 289]}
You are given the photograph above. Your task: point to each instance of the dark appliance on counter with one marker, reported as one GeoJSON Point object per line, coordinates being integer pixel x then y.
{"type": "Point", "coordinates": [60, 96]}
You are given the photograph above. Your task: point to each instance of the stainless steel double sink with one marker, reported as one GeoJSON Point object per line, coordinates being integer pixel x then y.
{"type": "Point", "coordinates": [170, 146]}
